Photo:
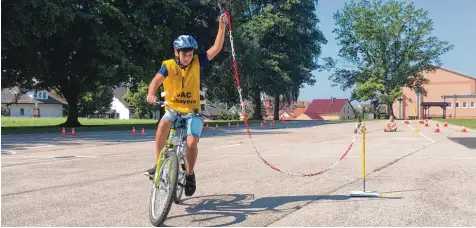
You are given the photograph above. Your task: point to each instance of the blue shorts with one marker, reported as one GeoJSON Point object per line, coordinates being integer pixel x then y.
{"type": "Point", "coordinates": [193, 124]}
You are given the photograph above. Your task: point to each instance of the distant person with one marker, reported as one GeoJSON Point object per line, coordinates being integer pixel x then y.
{"type": "Point", "coordinates": [391, 125]}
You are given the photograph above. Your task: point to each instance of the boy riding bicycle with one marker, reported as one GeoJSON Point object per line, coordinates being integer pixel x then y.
{"type": "Point", "coordinates": [181, 80]}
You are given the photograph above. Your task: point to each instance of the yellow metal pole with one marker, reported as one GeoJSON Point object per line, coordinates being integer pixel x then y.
{"type": "Point", "coordinates": [363, 154]}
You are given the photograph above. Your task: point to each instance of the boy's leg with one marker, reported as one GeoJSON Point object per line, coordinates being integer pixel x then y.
{"type": "Point", "coordinates": [163, 129]}
{"type": "Point", "coordinates": [194, 131]}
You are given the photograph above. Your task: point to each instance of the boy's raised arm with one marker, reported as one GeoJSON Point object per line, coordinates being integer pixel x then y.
{"type": "Point", "coordinates": [218, 45]}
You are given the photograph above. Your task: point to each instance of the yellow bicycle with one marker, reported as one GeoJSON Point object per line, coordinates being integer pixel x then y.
{"type": "Point", "coordinates": [168, 176]}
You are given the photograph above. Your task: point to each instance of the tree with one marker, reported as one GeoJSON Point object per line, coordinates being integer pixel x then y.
{"type": "Point", "coordinates": [98, 100]}
{"type": "Point", "coordinates": [390, 45]}
{"type": "Point", "coordinates": [287, 45]}
{"type": "Point", "coordinates": [75, 47]}
{"type": "Point", "coordinates": [142, 108]}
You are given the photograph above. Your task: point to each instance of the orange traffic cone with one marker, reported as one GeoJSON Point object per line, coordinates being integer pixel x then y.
{"type": "Point", "coordinates": [421, 120]}
{"type": "Point", "coordinates": [437, 129]}
{"type": "Point", "coordinates": [426, 123]}
{"type": "Point", "coordinates": [229, 124]}
{"type": "Point", "coordinates": [463, 129]}
{"type": "Point", "coordinates": [216, 127]}
{"type": "Point", "coordinates": [446, 124]}
{"type": "Point", "coordinates": [206, 126]}
{"type": "Point", "coordinates": [406, 120]}
{"type": "Point", "coordinates": [63, 132]}
{"type": "Point", "coordinates": [143, 132]}
{"type": "Point", "coordinates": [262, 124]}
{"type": "Point", "coordinates": [133, 130]}
{"type": "Point", "coordinates": [73, 132]}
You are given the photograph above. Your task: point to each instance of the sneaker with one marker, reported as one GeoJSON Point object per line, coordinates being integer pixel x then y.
{"type": "Point", "coordinates": [150, 172]}
{"type": "Point", "coordinates": [190, 185]}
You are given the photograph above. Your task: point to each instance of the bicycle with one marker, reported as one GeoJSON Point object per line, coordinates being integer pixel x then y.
{"type": "Point", "coordinates": [174, 180]}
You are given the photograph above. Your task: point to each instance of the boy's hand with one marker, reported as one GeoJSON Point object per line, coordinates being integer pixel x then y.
{"type": "Point", "coordinates": [223, 19]}
{"type": "Point", "coordinates": [151, 99]}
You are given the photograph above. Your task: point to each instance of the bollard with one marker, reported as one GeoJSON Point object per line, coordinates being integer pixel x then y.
{"type": "Point", "coordinates": [363, 193]}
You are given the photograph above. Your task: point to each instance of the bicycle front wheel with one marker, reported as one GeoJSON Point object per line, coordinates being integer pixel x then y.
{"type": "Point", "coordinates": [163, 192]}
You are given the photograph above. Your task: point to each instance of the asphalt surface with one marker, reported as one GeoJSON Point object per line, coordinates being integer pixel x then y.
{"type": "Point", "coordinates": [95, 179]}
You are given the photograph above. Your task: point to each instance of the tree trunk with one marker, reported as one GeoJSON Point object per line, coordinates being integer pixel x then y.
{"type": "Point", "coordinates": [390, 111]}
{"type": "Point", "coordinates": [257, 105]}
{"type": "Point", "coordinates": [72, 120]}
{"type": "Point", "coordinates": [71, 93]}
{"type": "Point", "coordinates": [276, 107]}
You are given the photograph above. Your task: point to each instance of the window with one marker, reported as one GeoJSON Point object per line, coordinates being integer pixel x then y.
{"type": "Point", "coordinates": [22, 112]}
{"type": "Point", "coordinates": [472, 104]}
{"type": "Point", "coordinates": [450, 104]}
{"type": "Point", "coordinates": [457, 104]}
{"type": "Point", "coordinates": [464, 105]}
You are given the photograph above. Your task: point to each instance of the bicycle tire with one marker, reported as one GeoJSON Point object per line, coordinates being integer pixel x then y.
{"type": "Point", "coordinates": [173, 171]}
{"type": "Point", "coordinates": [179, 191]}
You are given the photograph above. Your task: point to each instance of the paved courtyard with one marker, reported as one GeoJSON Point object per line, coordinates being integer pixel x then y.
{"type": "Point", "coordinates": [95, 179]}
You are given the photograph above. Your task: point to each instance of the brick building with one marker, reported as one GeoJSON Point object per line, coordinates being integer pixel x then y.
{"type": "Point", "coordinates": [447, 88]}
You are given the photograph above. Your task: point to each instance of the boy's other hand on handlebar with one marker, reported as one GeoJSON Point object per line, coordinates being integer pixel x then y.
{"type": "Point", "coordinates": [151, 99]}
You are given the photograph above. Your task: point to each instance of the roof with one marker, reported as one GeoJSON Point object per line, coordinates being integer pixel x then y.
{"type": "Point", "coordinates": [429, 104]}
{"type": "Point", "coordinates": [216, 111]}
{"type": "Point", "coordinates": [321, 106]}
{"type": "Point", "coordinates": [298, 111]}
{"type": "Point", "coordinates": [119, 94]}
{"type": "Point", "coordinates": [314, 116]}
{"type": "Point", "coordinates": [285, 111]}
{"type": "Point", "coordinates": [460, 96]}
{"type": "Point", "coordinates": [8, 95]}
{"type": "Point", "coordinates": [460, 74]}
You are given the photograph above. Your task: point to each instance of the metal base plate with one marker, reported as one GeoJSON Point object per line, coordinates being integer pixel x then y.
{"type": "Point", "coordinates": [364, 194]}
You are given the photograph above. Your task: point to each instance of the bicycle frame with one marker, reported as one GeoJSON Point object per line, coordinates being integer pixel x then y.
{"type": "Point", "coordinates": [171, 142]}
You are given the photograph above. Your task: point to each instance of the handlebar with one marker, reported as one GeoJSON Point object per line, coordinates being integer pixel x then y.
{"type": "Point", "coordinates": [181, 114]}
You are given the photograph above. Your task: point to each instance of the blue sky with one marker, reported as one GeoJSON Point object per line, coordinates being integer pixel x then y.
{"type": "Point", "coordinates": [454, 21]}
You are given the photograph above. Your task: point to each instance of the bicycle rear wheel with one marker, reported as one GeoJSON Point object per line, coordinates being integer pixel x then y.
{"type": "Point", "coordinates": [160, 204]}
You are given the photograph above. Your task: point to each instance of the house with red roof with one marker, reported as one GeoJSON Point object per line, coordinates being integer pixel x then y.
{"type": "Point", "coordinates": [328, 109]}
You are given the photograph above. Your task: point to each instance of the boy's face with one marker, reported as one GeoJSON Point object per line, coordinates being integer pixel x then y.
{"type": "Point", "coordinates": [184, 57]}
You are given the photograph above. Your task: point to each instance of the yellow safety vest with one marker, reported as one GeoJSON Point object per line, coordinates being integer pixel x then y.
{"type": "Point", "coordinates": [182, 86]}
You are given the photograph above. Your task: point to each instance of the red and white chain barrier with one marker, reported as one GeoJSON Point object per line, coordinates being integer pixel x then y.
{"type": "Point", "coordinates": [243, 112]}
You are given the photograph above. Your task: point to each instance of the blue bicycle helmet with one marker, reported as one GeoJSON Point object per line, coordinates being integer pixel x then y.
{"type": "Point", "coordinates": [185, 41]}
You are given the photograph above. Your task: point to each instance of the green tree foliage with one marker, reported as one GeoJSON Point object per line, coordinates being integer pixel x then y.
{"type": "Point", "coordinates": [142, 108]}
{"type": "Point", "coordinates": [76, 46]}
{"type": "Point", "coordinates": [391, 46]}
{"type": "Point", "coordinates": [285, 43]}
{"type": "Point", "coordinates": [96, 101]}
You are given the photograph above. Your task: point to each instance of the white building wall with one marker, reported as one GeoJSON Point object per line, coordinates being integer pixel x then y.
{"type": "Point", "coordinates": [120, 108]}
{"type": "Point", "coordinates": [46, 110]}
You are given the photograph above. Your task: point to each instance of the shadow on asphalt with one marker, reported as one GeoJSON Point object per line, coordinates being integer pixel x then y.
{"type": "Point", "coordinates": [468, 142]}
{"type": "Point", "coordinates": [234, 208]}
{"type": "Point", "coordinates": [21, 142]}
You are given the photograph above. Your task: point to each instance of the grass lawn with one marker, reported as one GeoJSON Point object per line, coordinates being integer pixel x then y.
{"type": "Point", "coordinates": [26, 125]}
{"type": "Point", "coordinates": [468, 123]}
